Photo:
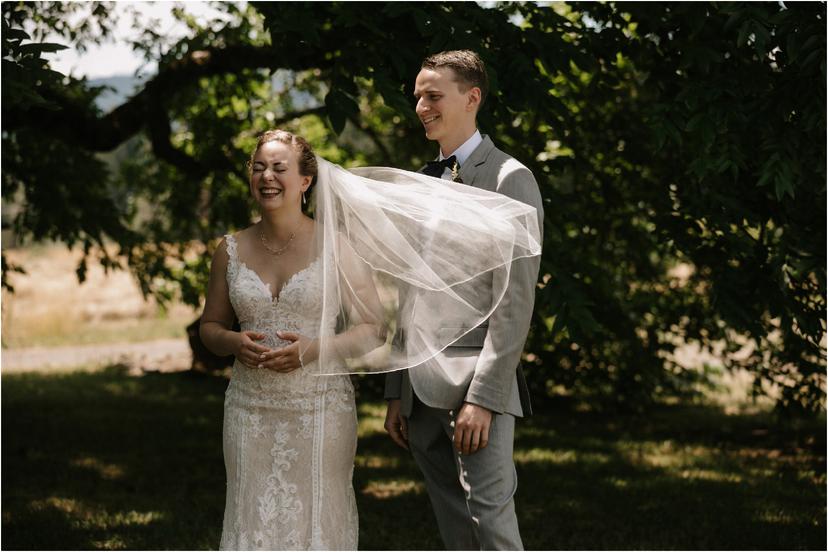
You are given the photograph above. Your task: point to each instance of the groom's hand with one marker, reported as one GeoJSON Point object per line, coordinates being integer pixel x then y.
{"type": "Point", "coordinates": [471, 428]}
{"type": "Point", "coordinates": [395, 423]}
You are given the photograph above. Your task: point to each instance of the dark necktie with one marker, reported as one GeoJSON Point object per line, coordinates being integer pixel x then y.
{"type": "Point", "coordinates": [436, 168]}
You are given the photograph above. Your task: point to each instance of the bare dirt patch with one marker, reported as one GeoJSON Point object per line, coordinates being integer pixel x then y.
{"type": "Point", "coordinates": [163, 355]}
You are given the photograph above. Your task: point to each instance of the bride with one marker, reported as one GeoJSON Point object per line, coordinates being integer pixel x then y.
{"type": "Point", "coordinates": [362, 286]}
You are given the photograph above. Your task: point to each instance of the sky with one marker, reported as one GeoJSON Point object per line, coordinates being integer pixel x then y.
{"type": "Point", "coordinates": [115, 57]}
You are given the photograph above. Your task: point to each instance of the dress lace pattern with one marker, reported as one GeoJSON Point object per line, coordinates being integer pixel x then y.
{"type": "Point", "coordinates": [289, 439]}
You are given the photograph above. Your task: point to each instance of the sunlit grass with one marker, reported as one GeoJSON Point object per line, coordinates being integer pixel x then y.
{"type": "Point", "coordinates": [50, 307]}
{"type": "Point", "coordinates": [104, 460]}
{"type": "Point", "coordinates": [393, 488]}
{"type": "Point", "coordinates": [56, 330]}
{"type": "Point", "coordinates": [102, 469]}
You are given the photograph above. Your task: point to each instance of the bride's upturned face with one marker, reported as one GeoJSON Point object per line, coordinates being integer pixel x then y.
{"type": "Point", "coordinates": [275, 181]}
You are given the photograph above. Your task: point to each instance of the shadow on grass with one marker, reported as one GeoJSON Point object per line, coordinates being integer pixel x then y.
{"type": "Point", "coordinates": [681, 478]}
{"type": "Point", "coordinates": [104, 460]}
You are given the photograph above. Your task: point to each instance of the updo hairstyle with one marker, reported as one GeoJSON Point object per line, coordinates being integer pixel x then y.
{"type": "Point", "coordinates": [307, 159]}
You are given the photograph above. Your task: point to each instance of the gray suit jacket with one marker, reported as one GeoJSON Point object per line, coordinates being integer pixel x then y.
{"type": "Point", "coordinates": [485, 362]}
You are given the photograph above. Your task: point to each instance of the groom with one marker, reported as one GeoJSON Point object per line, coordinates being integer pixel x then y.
{"type": "Point", "coordinates": [461, 432]}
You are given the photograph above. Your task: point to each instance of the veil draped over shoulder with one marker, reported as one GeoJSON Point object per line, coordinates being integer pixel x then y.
{"type": "Point", "coordinates": [410, 264]}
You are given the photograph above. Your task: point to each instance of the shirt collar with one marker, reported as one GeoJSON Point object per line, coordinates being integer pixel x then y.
{"type": "Point", "coordinates": [463, 152]}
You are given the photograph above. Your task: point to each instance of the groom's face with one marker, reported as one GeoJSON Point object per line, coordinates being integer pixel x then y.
{"type": "Point", "coordinates": [442, 108]}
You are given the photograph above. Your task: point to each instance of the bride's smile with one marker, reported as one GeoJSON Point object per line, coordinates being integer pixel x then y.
{"type": "Point", "coordinates": [269, 192]}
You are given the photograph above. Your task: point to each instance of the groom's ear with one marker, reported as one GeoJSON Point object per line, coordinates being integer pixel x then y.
{"type": "Point", "coordinates": [473, 99]}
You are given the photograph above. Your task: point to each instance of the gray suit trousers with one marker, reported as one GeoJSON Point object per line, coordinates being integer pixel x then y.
{"type": "Point", "coordinates": [472, 496]}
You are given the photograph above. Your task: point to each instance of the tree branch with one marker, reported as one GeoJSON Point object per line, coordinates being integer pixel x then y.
{"type": "Point", "coordinates": [105, 133]}
{"type": "Point", "coordinates": [147, 109]}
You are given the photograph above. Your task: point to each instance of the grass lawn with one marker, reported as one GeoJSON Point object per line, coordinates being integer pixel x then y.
{"type": "Point", "coordinates": [106, 460]}
{"type": "Point", "coordinates": [59, 331]}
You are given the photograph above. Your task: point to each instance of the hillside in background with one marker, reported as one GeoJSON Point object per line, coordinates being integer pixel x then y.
{"type": "Point", "coordinates": [118, 89]}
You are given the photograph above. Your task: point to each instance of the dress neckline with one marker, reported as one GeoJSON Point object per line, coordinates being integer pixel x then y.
{"type": "Point", "coordinates": [266, 285]}
{"type": "Point", "coordinates": [274, 299]}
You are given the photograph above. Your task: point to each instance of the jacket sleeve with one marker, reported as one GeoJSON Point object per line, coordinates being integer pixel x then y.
{"type": "Point", "coordinates": [393, 385]}
{"type": "Point", "coordinates": [509, 324]}
{"type": "Point", "coordinates": [393, 380]}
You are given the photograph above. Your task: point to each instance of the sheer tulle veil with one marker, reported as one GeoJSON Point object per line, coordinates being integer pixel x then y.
{"type": "Point", "coordinates": [410, 264]}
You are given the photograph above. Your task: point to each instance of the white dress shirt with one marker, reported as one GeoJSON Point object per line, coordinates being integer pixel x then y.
{"type": "Point", "coordinates": [462, 153]}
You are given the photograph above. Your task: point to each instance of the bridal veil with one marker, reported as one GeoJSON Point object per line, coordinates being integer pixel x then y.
{"type": "Point", "coordinates": [411, 264]}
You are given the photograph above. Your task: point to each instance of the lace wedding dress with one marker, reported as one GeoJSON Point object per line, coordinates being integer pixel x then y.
{"type": "Point", "coordinates": [289, 439]}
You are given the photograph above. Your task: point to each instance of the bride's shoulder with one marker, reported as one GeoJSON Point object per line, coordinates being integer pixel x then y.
{"type": "Point", "coordinates": [229, 243]}
{"type": "Point", "coordinates": [241, 236]}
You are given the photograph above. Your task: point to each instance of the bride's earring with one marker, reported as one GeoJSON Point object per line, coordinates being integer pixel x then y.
{"type": "Point", "coordinates": [304, 201]}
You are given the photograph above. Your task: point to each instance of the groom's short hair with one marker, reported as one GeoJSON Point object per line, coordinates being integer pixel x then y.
{"type": "Point", "coordinates": [467, 66]}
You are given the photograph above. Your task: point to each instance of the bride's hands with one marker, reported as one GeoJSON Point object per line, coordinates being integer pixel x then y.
{"type": "Point", "coordinates": [286, 359]}
{"type": "Point", "coordinates": [247, 350]}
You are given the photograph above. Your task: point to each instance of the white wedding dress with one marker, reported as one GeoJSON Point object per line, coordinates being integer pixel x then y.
{"type": "Point", "coordinates": [289, 439]}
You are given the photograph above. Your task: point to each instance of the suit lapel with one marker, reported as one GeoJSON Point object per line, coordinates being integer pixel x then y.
{"type": "Point", "coordinates": [471, 170]}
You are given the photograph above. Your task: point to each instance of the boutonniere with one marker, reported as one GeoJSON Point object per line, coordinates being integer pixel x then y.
{"type": "Point", "coordinates": [455, 172]}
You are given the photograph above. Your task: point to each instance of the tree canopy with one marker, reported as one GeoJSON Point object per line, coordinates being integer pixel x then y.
{"type": "Point", "coordinates": [679, 147]}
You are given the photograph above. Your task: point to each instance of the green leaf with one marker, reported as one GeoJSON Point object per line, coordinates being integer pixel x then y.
{"type": "Point", "coordinates": [41, 47]}
{"type": "Point", "coordinates": [398, 102]}
{"type": "Point", "coordinates": [396, 9]}
{"type": "Point", "coordinates": [723, 165]}
{"type": "Point", "coordinates": [437, 43]}
{"type": "Point", "coordinates": [768, 170]}
{"type": "Point", "coordinates": [46, 74]}
{"type": "Point", "coordinates": [813, 56]}
{"type": "Point", "coordinates": [560, 323]}
{"type": "Point", "coordinates": [732, 20]}
{"type": "Point", "coordinates": [399, 66]}
{"type": "Point", "coordinates": [340, 100]}
{"type": "Point", "coordinates": [762, 38]}
{"type": "Point", "coordinates": [14, 34]}
{"type": "Point", "coordinates": [783, 186]}
{"type": "Point", "coordinates": [583, 317]}
{"type": "Point", "coordinates": [696, 121]}
{"type": "Point", "coordinates": [340, 107]}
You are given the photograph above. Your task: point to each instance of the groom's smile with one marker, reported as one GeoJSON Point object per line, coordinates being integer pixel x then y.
{"type": "Point", "coordinates": [428, 120]}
